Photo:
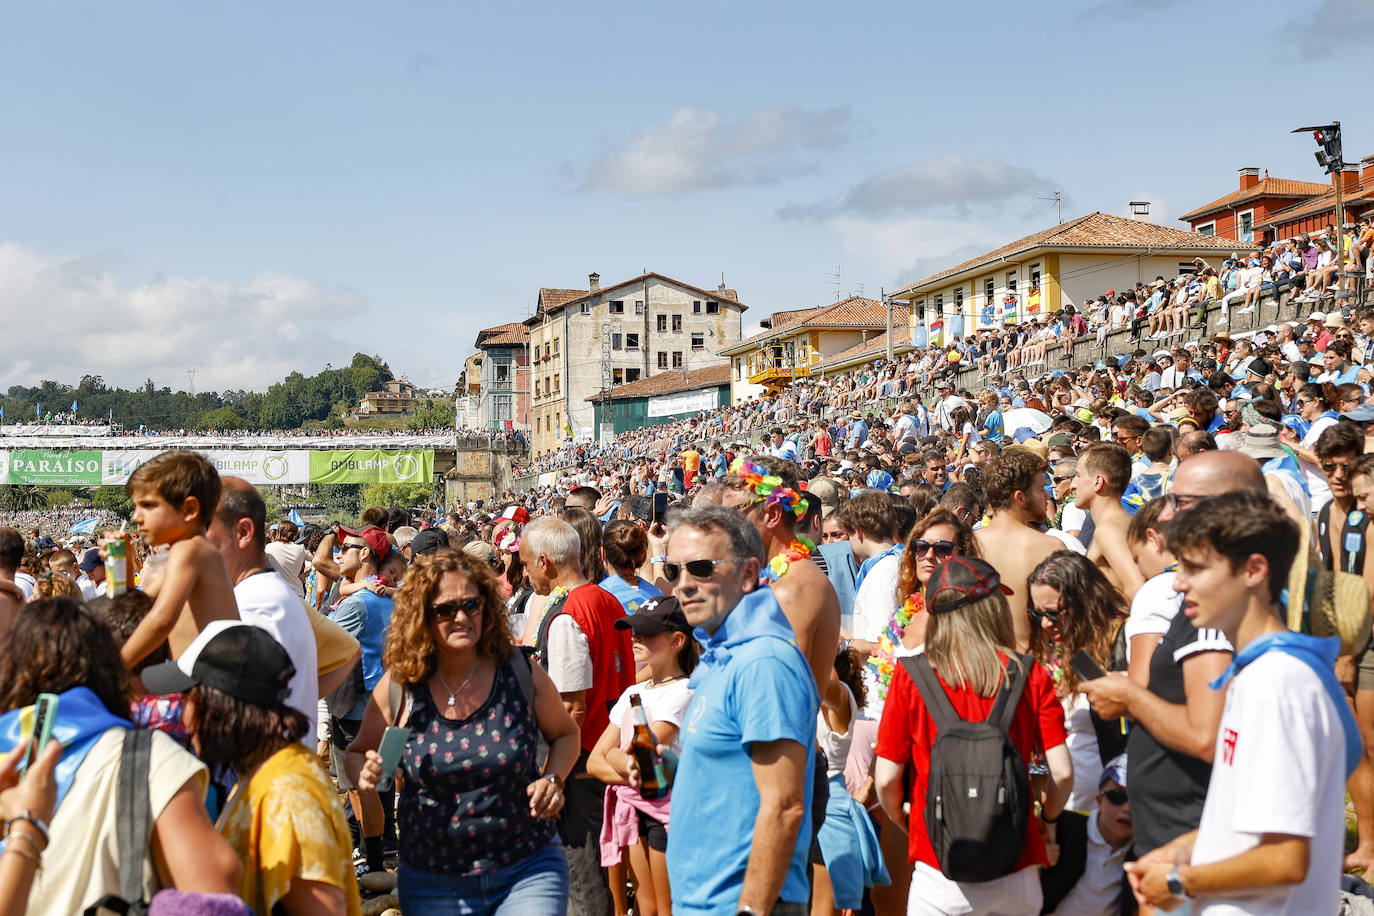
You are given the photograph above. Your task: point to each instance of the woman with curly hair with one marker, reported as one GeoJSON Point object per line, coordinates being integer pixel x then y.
{"type": "Point", "coordinates": [476, 813]}
{"type": "Point", "coordinates": [58, 646]}
{"type": "Point", "coordinates": [1075, 609]}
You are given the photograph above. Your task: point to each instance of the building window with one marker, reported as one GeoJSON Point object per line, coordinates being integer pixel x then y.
{"type": "Point", "coordinates": [1011, 281]}
{"type": "Point", "coordinates": [548, 386]}
{"type": "Point", "coordinates": [536, 389]}
{"type": "Point", "coordinates": [1186, 267]}
{"type": "Point", "coordinates": [557, 383]}
{"type": "Point", "coordinates": [557, 423]}
{"type": "Point", "coordinates": [662, 323]}
{"type": "Point", "coordinates": [739, 368]}
{"type": "Point", "coordinates": [618, 376]}
{"type": "Point", "coordinates": [555, 346]}
{"type": "Point", "coordinates": [712, 308]}
{"type": "Point", "coordinates": [989, 288]}
{"type": "Point", "coordinates": [1035, 276]}
{"type": "Point", "coordinates": [959, 299]}
{"type": "Point", "coordinates": [1206, 229]}
{"type": "Point", "coordinates": [546, 349]}
{"type": "Point", "coordinates": [1247, 225]}
{"type": "Point", "coordinates": [921, 309]}
{"type": "Point", "coordinates": [616, 340]}
{"type": "Point", "coordinates": [617, 307]}
{"type": "Point", "coordinates": [538, 424]}
{"type": "Point", "coordinates": [631, 375]}
{"type": "Point", "coordinates": [639, 307]}
{"type": "Point", "coordinates": [677, 359]}
{"type": "Point", "coordinates": [698, 341]}
{"type": "Point", "coordinates": [502, 373]}
{"type": "Point", "coordinates": [677, 322]}
{"type": "Point", "coordinates": [696, 306]}
{"type": "Point", "coordinates": [662, 359]}
{"type": "Point", "coordinates": [939, 303]}
{"type": "Point", "coordinates": [631, 341]}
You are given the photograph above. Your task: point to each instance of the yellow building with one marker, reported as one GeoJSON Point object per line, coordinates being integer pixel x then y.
{"type": "Point", "coordinates": [800, 341]}
{"type": "Point", "coordinates": [1068, 264]}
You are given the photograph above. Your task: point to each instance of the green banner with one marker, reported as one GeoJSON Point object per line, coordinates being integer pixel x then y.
{"type": "Point", "coordinates": [54, 468]}
{"type": "Point", "coordinates": [372, 465]}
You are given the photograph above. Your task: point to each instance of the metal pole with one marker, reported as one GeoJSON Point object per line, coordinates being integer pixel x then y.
{"type": "Point", "coordinates": [1340, 233]}
{"type": "Point", "coordinates": [883, 292]}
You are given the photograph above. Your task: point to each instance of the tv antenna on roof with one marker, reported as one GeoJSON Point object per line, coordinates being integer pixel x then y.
{"type": "Point", "coordinates": [835, 281]}
{"type": "Point", "coordinates": [1058, 199]}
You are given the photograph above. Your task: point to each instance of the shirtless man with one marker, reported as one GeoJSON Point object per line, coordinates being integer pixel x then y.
{"type": "Point", "coordinates": [803, 591]}
{"type": "Point", "coordinates": [1104, 472]}
{"type": "Point", "coordinates": [11, 597]}
{"type": "Point", "coordinates": [1015, 484]}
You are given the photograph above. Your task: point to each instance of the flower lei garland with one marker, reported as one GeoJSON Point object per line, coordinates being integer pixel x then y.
{"type": "Point", "coordinates": [883, 660]}
{"type": "Point", "coordinates": [769, 487]}
{"type": "Point", "coordinates": [799, 549]}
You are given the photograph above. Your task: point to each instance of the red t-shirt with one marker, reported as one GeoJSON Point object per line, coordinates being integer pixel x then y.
{"type": "Point", "coordinates": [906, 734]}
{"type": "Point", "coordinates": [613, 662]}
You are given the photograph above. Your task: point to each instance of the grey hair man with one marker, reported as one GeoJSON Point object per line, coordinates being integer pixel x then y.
{"type": "Point", "coordinates": [745, 764]}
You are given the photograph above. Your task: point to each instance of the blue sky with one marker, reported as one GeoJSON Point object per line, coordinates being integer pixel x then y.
{"type": "Point", "coordinates": [251, 188]}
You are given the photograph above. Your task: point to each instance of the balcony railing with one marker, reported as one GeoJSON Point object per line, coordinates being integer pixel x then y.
{"type": "Point", "coordinates": [783, 362]}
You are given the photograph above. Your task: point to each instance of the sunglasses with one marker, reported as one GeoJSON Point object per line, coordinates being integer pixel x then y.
{"type": "Point", "coordinates": [1041, 616]}
{"type": "Point", "coordinates": [1064, 478]}
{"type": "Point", "coordinates": [1116, 796]}
{"type": "Point", "coordinates": [472, 607]}
{"type": "Point", "coordinates": [697, 569]}
{"type": "Point", "coordinates": [943, 549]}
{"type": "Point", "coordinates": [1331, 467]}
{"type": "Point", "coordinates": [345, 547]}
{"type": "Point", "coordinates": [1181, 501]}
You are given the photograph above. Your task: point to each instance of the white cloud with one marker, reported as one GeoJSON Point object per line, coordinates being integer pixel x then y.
{"type": "Point", "coordinates": [697, 150]}
{"type": "Point", "coordinates": [66, 316]}
{"type": "Point", "coordinates": [952, 182]}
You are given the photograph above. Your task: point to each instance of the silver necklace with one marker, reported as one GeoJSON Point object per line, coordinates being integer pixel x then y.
{"type": "Point", "coordinates": [453, 694]}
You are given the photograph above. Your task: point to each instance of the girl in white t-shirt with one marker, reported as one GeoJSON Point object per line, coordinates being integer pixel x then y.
{"type": "Point", "coordinates": [664, 647]}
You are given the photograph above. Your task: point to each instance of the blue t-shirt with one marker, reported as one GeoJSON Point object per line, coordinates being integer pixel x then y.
{"type": "Point", "coordinates": [753, 684]}
{"type": "Point", "coordinates": [993, 425]}
{"type": "Point", "coordinates": [629, 596]}
{"type": "Point", "coordinates": [366, 616]}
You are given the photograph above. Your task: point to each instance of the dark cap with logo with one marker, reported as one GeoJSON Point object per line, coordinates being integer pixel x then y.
{"type": "Point", "coordinates": [231, 656]}
{"type": "Point", "coordinates": [659, 614]}
{"type": "Point", "coordinates": [973, 580]}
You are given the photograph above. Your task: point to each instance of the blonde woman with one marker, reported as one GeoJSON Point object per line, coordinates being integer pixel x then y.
{"type": "Point", "coordinates": [968, 657]}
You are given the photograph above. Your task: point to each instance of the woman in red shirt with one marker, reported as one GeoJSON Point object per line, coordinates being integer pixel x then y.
{"type": "Point", "coordinates": [967, 640]}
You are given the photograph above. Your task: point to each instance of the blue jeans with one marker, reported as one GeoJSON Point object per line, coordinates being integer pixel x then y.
{"type": "Point", "coordinates": [536, 885]}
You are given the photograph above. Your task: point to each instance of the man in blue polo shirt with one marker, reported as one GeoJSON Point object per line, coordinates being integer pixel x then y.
{"type": "Point", "coordinates": [739, 841]}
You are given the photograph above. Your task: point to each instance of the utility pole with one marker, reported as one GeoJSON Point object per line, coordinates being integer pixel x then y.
{"type": "Point", "coordinates": [890, 304]}
{"type": "Point", "coordinates": [191, 374]}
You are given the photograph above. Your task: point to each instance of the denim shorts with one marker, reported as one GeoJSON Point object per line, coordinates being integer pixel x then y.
{"type": "Point", "coordinates": [536, 885]}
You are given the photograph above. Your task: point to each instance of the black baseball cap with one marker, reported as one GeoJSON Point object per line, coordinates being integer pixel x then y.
{"type": "Point", "coordinates": [657, 615]}
{"type": "Point", "coordinates": [237, 658]}
{"type": "Point", "coordinates": [972, 578]}
{"type": "Point", "coordinates": [90, 560]}
{"type": "Point", "coordinates": [428, 539]}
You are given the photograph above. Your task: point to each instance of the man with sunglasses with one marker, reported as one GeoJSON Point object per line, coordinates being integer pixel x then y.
{"type": "Point", "coordinates": [740, 830]}
{"type": "Point", "coordinates": [1093, 846]}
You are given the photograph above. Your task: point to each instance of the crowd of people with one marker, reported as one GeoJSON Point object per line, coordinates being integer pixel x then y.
{"type": "Point", "coordinates": [1087, 642]}
{"type": "Point", "coordinates": [1303, 266]}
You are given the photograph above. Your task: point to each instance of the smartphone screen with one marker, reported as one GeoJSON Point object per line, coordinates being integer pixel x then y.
{"type": "Point", "coordinates": [44, 715]}
{"type": "Point", "coordinates": [1084, 666]}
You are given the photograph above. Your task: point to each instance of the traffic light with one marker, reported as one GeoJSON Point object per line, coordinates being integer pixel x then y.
{"type": "Point", "coordinates": [1328, 137]}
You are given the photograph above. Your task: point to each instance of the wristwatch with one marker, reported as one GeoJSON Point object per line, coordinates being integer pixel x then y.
{"type": "Point", "coordinates": [555, 779]}
{"type": "Point", "coordinates": [747, 911]}
{"type": "Point", "coordinates": [1175, 882]}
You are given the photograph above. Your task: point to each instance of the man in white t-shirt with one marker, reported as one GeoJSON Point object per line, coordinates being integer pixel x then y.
{"type": "Point", "coordinates": [264, 597]}
{"type": "Point", "coordinates": [1271, 838]}
{"type": "Point", "coordinates": [872, 525]}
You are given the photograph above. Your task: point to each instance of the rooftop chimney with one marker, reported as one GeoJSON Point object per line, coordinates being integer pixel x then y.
{"type": "Point", "coordinates": [1349, 178]}
{"type": "Point", "coordinates": [593, 281]}
{"type": "Point", "coordinates": [1367, 171]}
{"type": "Point", "coordinates": [1249, 177]}
{"type": "Point", "coordinates": [1140, 210]}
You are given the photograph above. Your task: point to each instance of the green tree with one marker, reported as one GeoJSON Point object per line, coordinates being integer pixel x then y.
{"type": "Point", "coordinates": [15, 498]}
{"type": "Point", "coordinates": [433, 414]}
{"type": "Point", "coordinates": [113, 499]}
{"type": "Point", "coordinates": [340, 501]}
{"type": "Point", "coordinates": [276, 511]}
{"type": "Point", "coordinates": [221, 418]}
{"type": "Point", "coordinates": [55, 498]}
{"type": "Point", "coordinates": [397, 495]}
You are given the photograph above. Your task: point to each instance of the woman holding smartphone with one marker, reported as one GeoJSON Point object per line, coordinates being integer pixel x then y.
{"type": "Point", "coordinates": [476, 814]}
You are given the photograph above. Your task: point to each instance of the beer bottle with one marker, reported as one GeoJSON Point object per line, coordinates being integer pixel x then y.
{"type": "Point", "coordinates": [654, 781]}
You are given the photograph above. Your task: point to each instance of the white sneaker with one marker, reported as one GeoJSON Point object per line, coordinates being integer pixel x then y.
{"type": "Point", "coordinates": [1223, 320]}
{"type": "Point", "coordinates": [1246, 310]}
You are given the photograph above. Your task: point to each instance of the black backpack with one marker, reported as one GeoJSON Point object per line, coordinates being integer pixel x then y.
{"type": "Point", "coordinates": [977, 792]}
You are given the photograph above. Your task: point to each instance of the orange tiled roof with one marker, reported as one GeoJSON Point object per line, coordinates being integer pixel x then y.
{"type": "Point", "coordinates": [670, 382]}
{"type": "Point", "coordinates": [514, 332]}
{"type": "Point", "coordinates": [553, 298]}
{"type": "Point", "coordinates": [1267, 187]}
{"type": "Point", "coordinates": [1096, 230]}
{"type": "Point", "coordinates": [790, 316]}
{"type": "Point", "coordinates": [854, 312]}
{"type": "Point", "coordinates": [556, 298]}
{"type": "Point", "coordinates": [1358, 196]}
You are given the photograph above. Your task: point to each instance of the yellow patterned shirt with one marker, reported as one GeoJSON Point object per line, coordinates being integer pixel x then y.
{"type": "Point", "coordinates": [287, 824]}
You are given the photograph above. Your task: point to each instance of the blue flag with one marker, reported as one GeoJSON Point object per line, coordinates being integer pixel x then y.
{"type": "Point", "coordinates": [73, 407]}
{"type": "Point", "coordinates": [38, 410]}
{"type": "Point", "coordinates": [2, 413]}
{"type": "Point", "coordinates": [296, 519]}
